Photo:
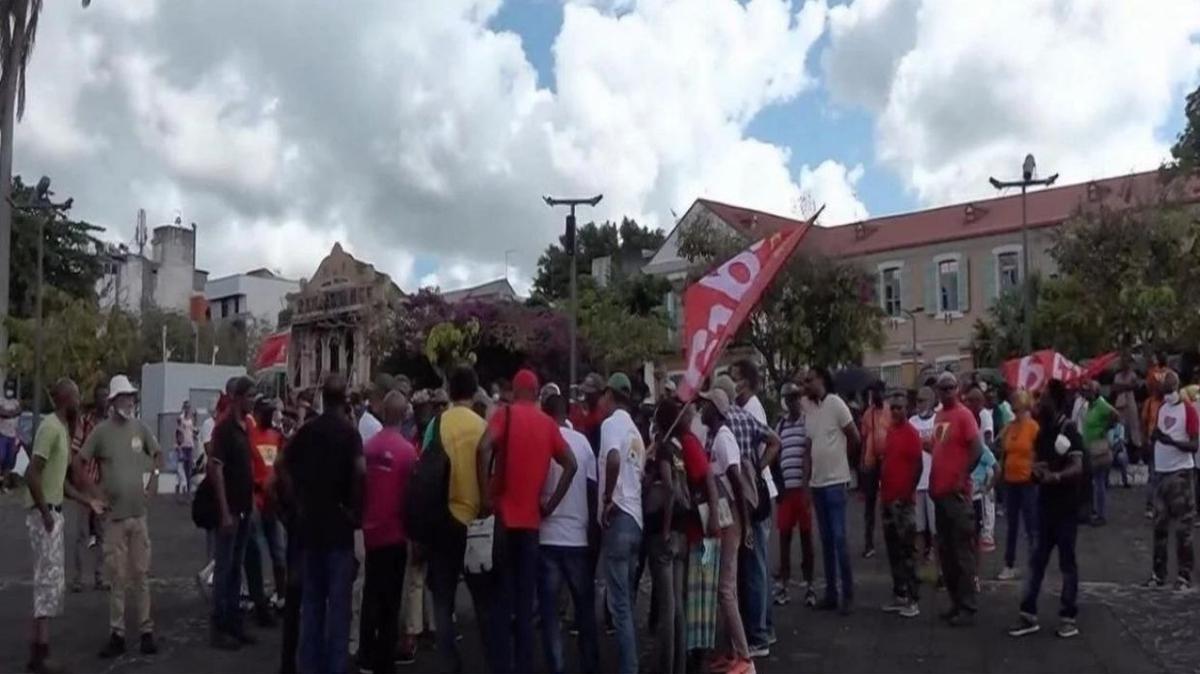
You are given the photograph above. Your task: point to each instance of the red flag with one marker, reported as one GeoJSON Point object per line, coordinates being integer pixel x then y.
{"type": "Point", "coordinates": [273, 352]}
{"type": "Point", "coordinates": [715, 306]}
{"type": "Point", "coordinates": [1032, 372]}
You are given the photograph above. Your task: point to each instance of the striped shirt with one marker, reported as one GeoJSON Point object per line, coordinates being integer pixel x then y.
{"type": "Point", "coordinates": [793, 454]}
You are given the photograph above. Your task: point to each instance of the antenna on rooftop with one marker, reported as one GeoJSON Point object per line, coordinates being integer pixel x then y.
{"type": "Point", "coordinates": [141, 235]}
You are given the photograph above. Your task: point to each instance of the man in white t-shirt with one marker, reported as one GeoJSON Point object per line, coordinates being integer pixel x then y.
{"type": "Point", "coordinates": [621, 462]}
{"type": "Point", "coordinates": [1175, 443]}
{"type": "Point", "coordinates": [977, 402]}
{"type": "Point", "coordinates": [834, 437]}
{"type": "Point", "coordinates": [923, 421]}
{"type": "Point", "coordinates": [563, 545]}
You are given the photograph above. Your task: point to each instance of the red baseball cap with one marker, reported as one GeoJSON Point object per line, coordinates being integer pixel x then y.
{"type": "Point", "coordinates": [526, 381]}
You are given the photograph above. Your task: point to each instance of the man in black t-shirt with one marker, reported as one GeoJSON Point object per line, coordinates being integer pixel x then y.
{"type": "Point", "coordinates": [1058, 471]}
{"type": "Point", "coordinates": [233, 485]}
{"type": "Point", "coordinates": [325, 472]}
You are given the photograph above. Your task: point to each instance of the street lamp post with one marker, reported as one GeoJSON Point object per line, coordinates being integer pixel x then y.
{"type": "Point", "coordinates": [912, 319]}
{"type": "Point", "coordinates": [47, 211]}
{"type": "Point", "coordinates": [1028, 170]}
{"type": "Point", "coordinates": [572, 203]}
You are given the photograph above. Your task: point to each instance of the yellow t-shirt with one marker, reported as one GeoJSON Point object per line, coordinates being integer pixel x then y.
{"type": "Point", "coordinates": [461, 431]}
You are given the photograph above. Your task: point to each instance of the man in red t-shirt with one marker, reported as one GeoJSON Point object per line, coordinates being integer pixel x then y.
{"type": "Point", "coordinates": [900, 474]}
{"type": "Point", "coordinates": [957, 446]}
{"type": "Point", "coordinates": [266, 444]}
{"type": "Point", "coordinates": [524, 440]}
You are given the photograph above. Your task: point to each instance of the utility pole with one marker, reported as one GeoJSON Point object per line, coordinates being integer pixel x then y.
{"type": "Point", "coordinates": [1028, 171]}
{"type": "Point", "coordinates": [916, 363]}
{"type": "Point", "coordinates": [572, 203]}
{"type": "Point", "coordinates": [45, 212]}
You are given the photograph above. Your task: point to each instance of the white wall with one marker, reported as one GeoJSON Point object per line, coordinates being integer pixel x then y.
{"type": "Point", "coordinates": [166, 385]}
{"type": "Point", "coordinates": [263, 298]}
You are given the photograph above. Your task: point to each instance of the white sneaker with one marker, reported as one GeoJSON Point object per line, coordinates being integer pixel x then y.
{"type": "Point", "coordinates": [1009, 573]}
{"type": "Point", "coordinates": [911, 610]}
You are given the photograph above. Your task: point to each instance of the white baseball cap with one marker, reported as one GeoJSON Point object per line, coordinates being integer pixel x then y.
{"type": "Point", "coordinates": [119, 386]}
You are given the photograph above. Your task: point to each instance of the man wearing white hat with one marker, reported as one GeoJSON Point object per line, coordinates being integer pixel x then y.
{"type": "Point", "coordinates": [125, 450]}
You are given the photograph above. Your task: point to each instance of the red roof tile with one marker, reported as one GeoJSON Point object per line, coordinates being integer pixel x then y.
{"type": "Point", "coordinates": [985, 217]}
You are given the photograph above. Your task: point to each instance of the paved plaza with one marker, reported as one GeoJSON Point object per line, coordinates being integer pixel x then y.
{"type": "Point", "coordinates": [1124, 628]}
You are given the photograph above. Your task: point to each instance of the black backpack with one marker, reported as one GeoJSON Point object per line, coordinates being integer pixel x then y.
{"type": "Point", "coordinates": [427, 503]}
{"type": "Point", "coordinates": [204, 506]}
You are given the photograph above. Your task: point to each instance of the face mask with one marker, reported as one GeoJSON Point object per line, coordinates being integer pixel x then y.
{"type": "Point", "coordinates": [1061, 445]}
{"type": "Point", "coordinates": [1172, 398]}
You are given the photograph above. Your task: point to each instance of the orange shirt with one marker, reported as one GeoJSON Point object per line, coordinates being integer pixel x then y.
{"type": "Point", "coordinates": [1019, 445]}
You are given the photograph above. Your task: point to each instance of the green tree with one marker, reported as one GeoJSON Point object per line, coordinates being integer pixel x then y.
{"type": "Point", "coordinates": [1126, 278]}
{"type": "Point", "coordinates": [448, 345]}
{"type": "Point", "coordinates": [615, 337]}
{"type": "Point", "coordinates": [71, 250]}
{"type": "Point", "coordinates": [812, 313]}
{"type": "Point", "coordinates": [1186, 150]}
{"type": "Point", "coordinates": [552, 280]}
{"type": "Point", "coordinates": [80, 341]}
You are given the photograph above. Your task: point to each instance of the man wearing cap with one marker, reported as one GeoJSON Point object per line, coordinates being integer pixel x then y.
{"type": "Point", "coordinates": [47, 486]}
{"type": "Point", "coordinates": [620, 465]}
{"type": "Point", "coordinates": [752, 434]}
{"type": "Point", "coordinates": [233, 484]}
{"type": "Point", "coordinates": [586, 415]}
{"type": "Point", "coordinates": [724, 456]}
{"type": "Point", "coordinates": [125, 449]}
{"type": "Point", "coordinates": [524, 440]}
{"type": "Point", "coordinates": [957, 446]}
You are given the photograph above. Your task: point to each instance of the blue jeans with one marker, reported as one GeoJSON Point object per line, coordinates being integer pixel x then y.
{"type": "Point", "coordinates": [229, 551]}
{"type": "Point", "coordinates": [557, 564]}
{"type": "Point", "coordinates": [622, 545]}
{"type": "Point", "coordinates": [1057, 530]}
{"type": "Point", "coordinates": [830, 504]}
{"type": "Point", "coordinates": [325, 610]}
{"type": "Point", "coordinates": [754, 587]}
{"type": "Point", "coordinates": [512, 621]}
{"type": "Point", "coordinates": [1100, 493]}
{"type": "Point", "coordinates": [1020, 503]}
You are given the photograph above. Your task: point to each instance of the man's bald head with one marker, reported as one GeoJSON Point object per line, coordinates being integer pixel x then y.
{"type": "Point", "coordinates": [65, 395]}
{"type": "Point", "coordinates": [333, 391]}
{"type": "Point", "coordinates": [395, 409]}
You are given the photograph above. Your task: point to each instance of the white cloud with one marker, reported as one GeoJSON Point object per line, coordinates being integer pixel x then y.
{"type": "Point", "coordinates": [413, 130]}
{"type": "Point", "coordinates": [831, 184]}
{"type": "Point", "coordinates": [1084, 86]}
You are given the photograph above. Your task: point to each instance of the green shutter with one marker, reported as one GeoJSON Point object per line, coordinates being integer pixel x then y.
{"type": "Point", "coordinates": [932, 307]}
{"type": "Point", "coordinates": [964, 284]}
{"type": "Point", "coordinates": [904, 303]}
{"type": "Point", "coordinates": [880, 291]}
{"type": "Point", "coordinates": [990, 289]}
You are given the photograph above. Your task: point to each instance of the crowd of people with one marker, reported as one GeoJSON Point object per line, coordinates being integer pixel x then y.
{"type": "Point", "coordinates": [371, 509]}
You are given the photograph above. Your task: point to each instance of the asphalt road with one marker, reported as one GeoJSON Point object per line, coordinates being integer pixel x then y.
{"type": "Point", "coordinates": [1124, 628]}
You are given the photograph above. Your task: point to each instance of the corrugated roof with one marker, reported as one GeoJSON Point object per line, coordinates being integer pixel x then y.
{"type": "Point", "coordinates": [984, 217]}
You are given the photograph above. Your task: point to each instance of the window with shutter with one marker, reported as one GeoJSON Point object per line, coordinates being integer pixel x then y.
{"type": "Point", "coordinates": [890, 290]}
{"type": "Point", "coordinates": [948, 285]}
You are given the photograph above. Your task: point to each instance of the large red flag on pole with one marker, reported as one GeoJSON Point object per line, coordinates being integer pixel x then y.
{"type": "Point", "coordinates": [715, 306]}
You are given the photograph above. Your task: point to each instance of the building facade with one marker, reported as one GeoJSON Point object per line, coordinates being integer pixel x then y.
{"type": "Point", "coordinates": [166, 278]}
{"type": "Point", "coordinates": [259, 294]}
{"type": "Point", "coordinates": [334, 317]}
{"type": "Point", "coordinates": [936, 272]}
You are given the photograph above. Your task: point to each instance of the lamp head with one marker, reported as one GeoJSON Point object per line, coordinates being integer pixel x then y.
{"type": "Point", "coordinates": [43, 188]}
{"type": "Point", "coordinates": [1029, 168]}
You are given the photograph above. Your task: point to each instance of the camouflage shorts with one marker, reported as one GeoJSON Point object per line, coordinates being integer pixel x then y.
{"type": "Point", "coordinates": [49, 573]}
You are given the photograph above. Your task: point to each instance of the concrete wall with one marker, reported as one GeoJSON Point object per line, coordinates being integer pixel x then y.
{"type": "Point", "coordinates": [262, 298]}
{"type": "Point", "coordinates": [173, 248]}
{"type": "Point", "coordinates": [166, 385]}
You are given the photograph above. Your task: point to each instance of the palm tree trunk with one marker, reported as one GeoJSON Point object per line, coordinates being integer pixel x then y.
{"type": "Point", "coordinates": [8, 106]}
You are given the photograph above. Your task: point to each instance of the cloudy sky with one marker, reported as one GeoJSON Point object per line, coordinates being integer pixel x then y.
{"type": "Point", "coordinates": [422, 133]}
